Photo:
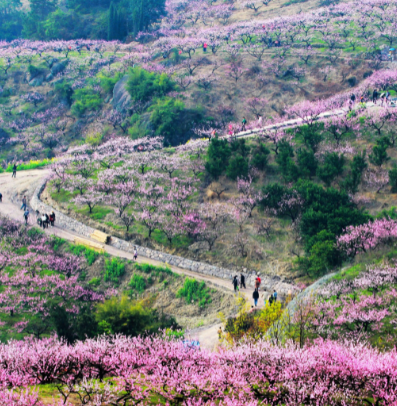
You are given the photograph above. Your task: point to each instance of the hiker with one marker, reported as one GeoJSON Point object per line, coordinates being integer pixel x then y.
{"type": "Point", "coordinates": [353, 97]}
{"type": "Point", "coordinates": [382, 98]}
{"type": "Point", "coordinates": [235, 283]}
{"type": "Point", "coordinates": [244, 123]}
{"type": "Point", "coordinates": [362, 99]}
{"type": "Point", "coordinates": [257, 282]}
{"type": "Point", "coordinates": [255, 296]}
{"type": "Point", "coordinates": [1, 197]}
{"type": "Point", "coordinates": [26, 215]}
{"type": "Point", "coordinates": [24, 201]}
{"type": "Point", "coordinates": [47, 220]}
{"type": "Point", "coordinates": [275, 295]}
{"type": "Point", "coordinates": [260, 121]}
{"type": "Point", "coordinates": [242, 281]}
{"type": "Point", "coordinates": [43, 221]}
{"type": "Point", "coordinates": [374, 96]}
{"type": "Point", "coordinates": [205, 47]}
{"type": "Point", "coordinates": [220, 333]}
{"type": "Point", "coordinates": [52, 219]}
{"type": "Point", "coordinates": [38, 218]}
{"type": "Point", "coordinates": [135, 254]}
{"type": "Point", "coordinates": [271, 300]}
{"type": "Point", "coordinates": [387, 97]}
{"type": "Point", "coordinates": [14, 171]}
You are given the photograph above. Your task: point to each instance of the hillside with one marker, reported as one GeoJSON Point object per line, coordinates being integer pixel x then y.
{"type": "Point", "coordinates": [216, 138]}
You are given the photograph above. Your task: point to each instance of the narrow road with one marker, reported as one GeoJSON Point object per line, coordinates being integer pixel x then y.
{"type": "Point", "coordinates": [26, 183]}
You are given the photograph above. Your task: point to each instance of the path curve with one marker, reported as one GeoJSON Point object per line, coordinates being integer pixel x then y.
{"type": "Point", "coordinates": [26, 183]}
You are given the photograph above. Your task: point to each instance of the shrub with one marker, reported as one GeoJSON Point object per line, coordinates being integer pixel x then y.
{"type": "Point", "coordinates": [195, 291]}
{"type": "Point", "coordinates": [108, 82]}
{"type": "Point", "coordinates": [95, 282]}
{"type": "Point", "coordinates": [260, 157]}
{"type": "Point", "coordinates": [65, 91]}
{"type": "Point", "coordinates": [393, 179]}
{"type": "Point", "coordinates": [238, 167]}
{"type": "Point", "coordinates": [137, 283]}
{"type": "Point", "coordinates": [307, 163]}
{"type": "Point", "coordinates": [332, 167]}
{"type": "Point", "coordinates": [129, 317]}
{"type": "Point", "coordinates": [172, 120]}
{"type": "Point", "coordinates": [379, 152]}
{"type": "Point", "coordinates": [114, 270]}
{"type": "Point", "coordinates": [85, 99]}
{"type": "Point", "coordinates": [352, 81]}
{"type": "Point", "coordinates": [153, 269]}
{"type": "Point", "coordinates": [218, 156]}
{"type": "Point", "coordinates": [143, 85]}
{"type": "Point", "coordinates": [89, 254]}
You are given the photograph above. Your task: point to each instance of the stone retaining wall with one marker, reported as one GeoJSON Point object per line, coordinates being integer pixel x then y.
{"type": "Point", "coordinates": [65, 222]}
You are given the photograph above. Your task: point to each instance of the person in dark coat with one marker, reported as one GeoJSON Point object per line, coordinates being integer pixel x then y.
{"type": "Point", "coordinates": [242, 281]}
{"type": "Point", "coordinates": [235, 283]}
{"type": "Point", "coordinates": [255, 296]}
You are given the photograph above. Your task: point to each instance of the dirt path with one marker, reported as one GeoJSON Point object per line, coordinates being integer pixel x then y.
{"type": "Point", "coordinates": [26, 183]}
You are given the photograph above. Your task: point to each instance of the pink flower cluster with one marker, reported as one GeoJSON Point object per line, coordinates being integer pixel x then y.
{"type": "Point", "coordinates": [324, 374]}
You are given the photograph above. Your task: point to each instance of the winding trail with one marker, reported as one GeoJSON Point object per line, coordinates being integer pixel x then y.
{"type": "Point", "coordinates": [26, 183]}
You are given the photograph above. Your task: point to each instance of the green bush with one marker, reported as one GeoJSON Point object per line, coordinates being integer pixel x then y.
{"type": "Point", "coordinates": [129, 317]}
{"type": "Point", "coordinates": [153, 269]}
{"type": "Point", "coordinates": [107, 82]}
{"type": "Point", "coordinates": [195, 291]}
{"type": "Point", "coordinates": [393, 179]}
{"type": "Point", "coordinates": [89, 254]}
{"type": "Point", "coordinates": [332, 167]}
{"type": "Point", "coordinates": [260, 157]}
{"type": "Point", "coordinates": [172, 120]}
{"type": "Point", "coordinates": [85, 99]}
{"type": "Point", "coordinates": [307, 163]}
{"type": "Point", "coordinates": [237, 168]}
{"type": "Point", "coordinates": [379, 152]}
{"type": "Point", "coordinates": [137, 283]}
{"type": "Point", "coordinates": [218, 156]}
{"type": "Point", "coordinates": [114, 270]}
{"type": "Point", "coordinates": [65, 90]}
{"type": "Point", "coordinates": [287, 165]}
{"type": "Point", "coordinates": [143, 85]}
{"type": "Point", "coordinates": [95, 282]}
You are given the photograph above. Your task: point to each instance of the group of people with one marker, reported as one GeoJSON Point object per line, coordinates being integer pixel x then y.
{"type": "Point", "coordinates": [255, 295]}
{"type": "Point", "coordinates": [384, 97]}
{"type": "Point", "coordinates": [44, 220]}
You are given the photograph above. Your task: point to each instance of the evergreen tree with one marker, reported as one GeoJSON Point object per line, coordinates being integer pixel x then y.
{"type": "Point", "coordinates": [112, 22]}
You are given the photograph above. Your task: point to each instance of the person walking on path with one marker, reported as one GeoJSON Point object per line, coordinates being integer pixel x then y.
{"type": "Point", "coordinates": [257, 282]}
{"type": "Point", "coordinates": [374, 96]}
{"type": "Point", "coordinates": [1, 197]}
{"type": "Point", "coordinates": [52, 219]}
{"type": "Point", "coordinates": [235, 283]}
{"type": "Point", "coordinates": [24, 202]}
{"type": "Point", "coordinates": [275, 295]}
{"type": "Point", "coordinates": [255, 296]}
{"type": "Point", "coordinates": [220, 332]}
{"type": "Point", "coordinates": [244, 123]}
{"type": "Point", "coordinates": [26, 216]}
{"type": "Point", "coordinates": [387, 97]}
{"type": "Point", "coordinates": [205, 47]}
{"type": "Point", "coordinates": [14, 171]}
{"type": "Point", "coordinates": [43, 221]}
{"type": "Point", "coordinates": [353, 98]}
{"type": "Point", "coordinates": [242, 281]}
{"type": "Point", "coordinates": [135, 254]}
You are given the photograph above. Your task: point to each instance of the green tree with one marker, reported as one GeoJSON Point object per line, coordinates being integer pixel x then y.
{"type": "Point", "coordinates": [144, 13]}
{"type": "Point", "coordinates": [379, 152]}
{"type": "Point", "coordinates": [143, 85]}
{"type": "Point", "coordinates": [307, 163]}
{"type": "Point", "coordinates": [311, 135]}
{"type": "Point", "coordinates": [11, 18]}
{"type": "Point", "coordinates": [238, 167]}
{"type": "Point", "coordinates": [357, 166]}
{"type": "Point", "coordinates": [332, 167]}
{"type": "Point", "coordinates": [393, 179]}
{"type": "Point", "coordinates": [33, 23]}
{"type": "Point", "coordinates": [218, 156]}
{"type": "Point", "coordinates": [129, 317]}
{"type": "Point", "coordinates": [260, 156]}
{"type": "Point", "coordinates": [112, 22]}
{"type": "Point", "coordinates": [287, 165]}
